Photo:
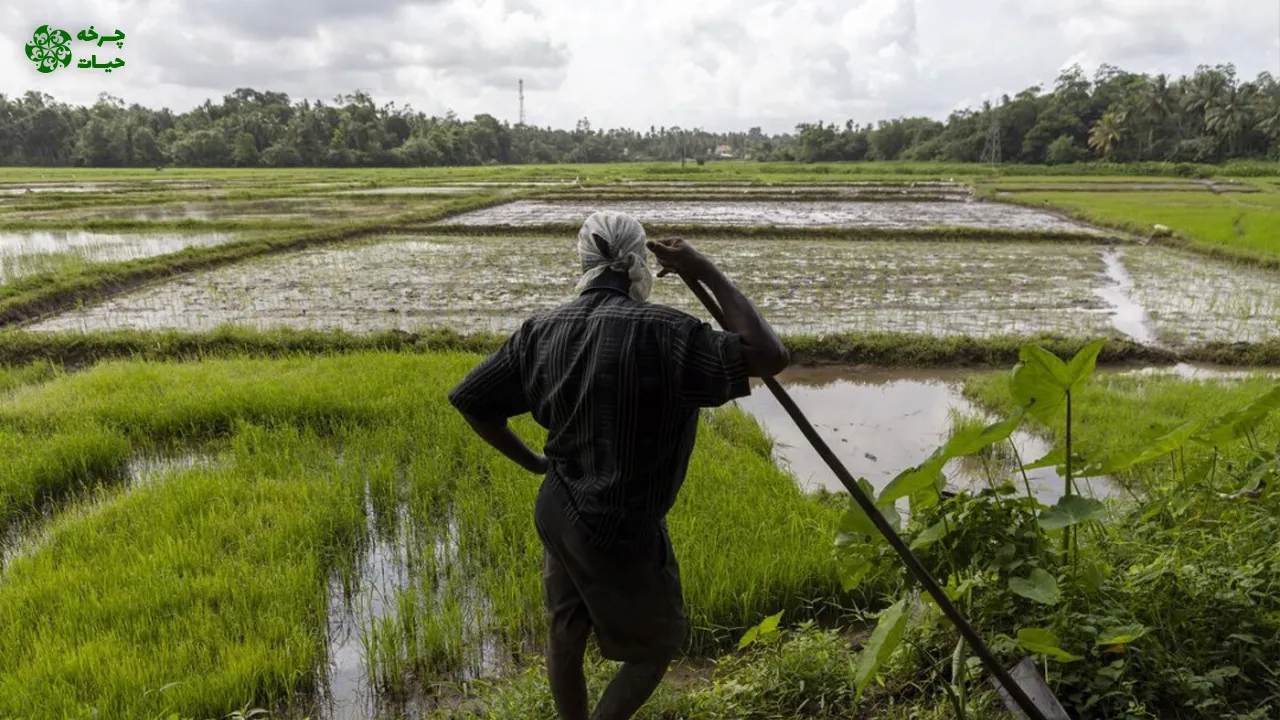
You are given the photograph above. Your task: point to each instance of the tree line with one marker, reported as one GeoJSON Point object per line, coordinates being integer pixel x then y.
{"type": "Point", "coordinates": [1209, 116]}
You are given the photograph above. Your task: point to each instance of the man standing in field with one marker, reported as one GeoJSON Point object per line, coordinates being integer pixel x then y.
{"type": "Point", "coordinates": [618, 383]}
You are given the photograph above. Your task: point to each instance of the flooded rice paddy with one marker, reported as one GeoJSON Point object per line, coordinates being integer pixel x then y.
{"type": "Point", "coordinates": [413, 282]}
{"type": "Point", "coordinates": [937, 191]}
{"type": "Point", "coordinates": [410, 190]}
{"type": "Point", "coordinates": [300, 210]}
{"type": "Point", "coordinates": [1152, 295]}
{"type": "Point", "coordinates": [30, 253]}
{"type": "Point", "coordinates": [25, 188]}
{"type": "Point", "coordinates": [1192, 300]}
{"type": "Point", "coordinates": [782, 214]}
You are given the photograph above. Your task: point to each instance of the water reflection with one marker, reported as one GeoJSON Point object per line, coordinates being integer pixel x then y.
{"type": "Point", "coordinates": [880, 422]}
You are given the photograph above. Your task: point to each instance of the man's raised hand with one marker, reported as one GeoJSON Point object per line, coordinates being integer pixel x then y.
{"type": "Point", "coordinates": [676, 255]}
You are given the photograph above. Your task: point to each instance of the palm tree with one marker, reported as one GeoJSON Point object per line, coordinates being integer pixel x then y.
{"type": "Point", "coordinates": [1228, 117]}
{"type": "Point", "coordinates": [1205, 88]}
{"type": "Point", "coordinates": [1154, 106]}
{"type": "Point", "coordinates": [1266, 108]}
{"type": "Point", "coordinates": [1107, 133]}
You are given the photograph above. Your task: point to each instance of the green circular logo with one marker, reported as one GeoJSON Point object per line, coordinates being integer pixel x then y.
{"type": "Point", "coordinates": [49, 49]}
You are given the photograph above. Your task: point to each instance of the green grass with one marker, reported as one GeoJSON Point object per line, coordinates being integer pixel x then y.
{"type": "Point", "coordinates": [1242, 226]}
{"type": "Point", "coordinates": [215, 578]}
{"type": "Point", "coordinates": [592, 173]}
{"type": "Point", "coordinates": [74, 349]}
{"type": "Point", "coordinates": [18, 374]}
{"type": "Point", "coordinates": [1117, 414]}
{"type": "Point", "coordinates": [201, 593]}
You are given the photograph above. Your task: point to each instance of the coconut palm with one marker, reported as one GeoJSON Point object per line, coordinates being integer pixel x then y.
{"type": "Point", "coordinates": [1206, 87]}
{"type": "Point", "coordinates": [1155, 105]}
{"type": "Point", "coordinates": [1107, 133]}
{"type": "Point", "coordinates": [1228, 116]}
{"type": "Point", "coordinates": [1267, 111]}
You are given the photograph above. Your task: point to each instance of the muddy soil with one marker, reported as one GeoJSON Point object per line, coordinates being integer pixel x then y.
{"type": "Point", "coordinates": [782, 214]}
{"type": "Point", "coordinates": [804, 287]}
{"type": "Point", "coordinates": [24, 253]}
{"type": "Point", "coordinates": [407, 190]}
{"type": "Point", "coordinates": [305, 209]}
{"type": "Point", "coordinates": [1193, 300]}
{"type": "Point", "coordinates": [24, 188]}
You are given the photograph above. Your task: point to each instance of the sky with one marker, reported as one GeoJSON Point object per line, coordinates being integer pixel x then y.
{"type": "Point", "coordinates": [716, 64]}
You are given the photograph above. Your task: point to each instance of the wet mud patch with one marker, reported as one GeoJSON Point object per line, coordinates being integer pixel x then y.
{"type": "Point", "coordinates": [300, 209]}
{"type": "Point", "coordinates": [33, 188]}
{"type": "Point", "coordinates": [412, 283]}
{"type": "Point", "coordinates": [406, 621]}
{"type": "Point", "coordinates": [29, 253]}
{"type": "Point", "coordinates": [411, 190]}
{"type": "Point", "coordinates": [1192, 299]}
{"type": "Point", "coordinates": [862, 191]}
{"type": "Point", "coordinates": [1002, 216]}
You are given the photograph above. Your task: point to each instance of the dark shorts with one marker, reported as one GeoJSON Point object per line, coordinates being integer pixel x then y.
{"type": "Point", "coordinates": [630, 596]}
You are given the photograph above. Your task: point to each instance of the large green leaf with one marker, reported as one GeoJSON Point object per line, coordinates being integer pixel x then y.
{"type": "Point", "coordinates": [927, 475]}
{"type": "Point", "coordinates": [912, 480]}
{"type": "Point", "coordinates": [1054, 458]}
{"type": "Point", "coordinates": [1122, 635]}
{"type": "Point", "coordinates": [972, 440]}
{"type": "Point", "coordinates": [766, 629]}
{"type": "Point", "coordinates": [931, 535]}
{"type": "Point", "coordinates": [1040, 383]}
{"type": "Point", "coordinates": [1237, 423]}
{"type": "Point", "coordinates": [853, 567]}
{"type": "Point", "coordinates": [884, 640]}
{"type": "Point", "coordinates": [1070, 510]}
{"type": "Point", "coordinates": [1044, 642]}
{"type": "Point", "coordinates": [856, 522]}
{"type": "Point", "coordinates": [1039, 586]}
{"type": "Point", "coordinates": [1080, 369]}
{"type": "Point", "coordinates": [1159, 447]}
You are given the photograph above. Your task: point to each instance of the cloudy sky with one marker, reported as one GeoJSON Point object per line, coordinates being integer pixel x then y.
{"type": "Point", "coordinates": [723, 64]}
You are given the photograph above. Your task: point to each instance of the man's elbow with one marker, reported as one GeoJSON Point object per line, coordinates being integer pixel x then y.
{"type": "Point", "coordinates": [768, 362]}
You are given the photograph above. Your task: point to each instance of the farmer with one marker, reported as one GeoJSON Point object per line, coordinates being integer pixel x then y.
{"type": "Point", "coordinates": [617, 382]}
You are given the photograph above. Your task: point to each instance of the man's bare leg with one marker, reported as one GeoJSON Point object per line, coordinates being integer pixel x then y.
{"type": "Point", "coordinates": [568, 681]}
{"type": "Point", "coordinates": [629, 689]}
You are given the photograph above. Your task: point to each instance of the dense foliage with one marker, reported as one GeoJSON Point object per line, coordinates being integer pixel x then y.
{"type": "Point", "coordinates": [1209, 116]}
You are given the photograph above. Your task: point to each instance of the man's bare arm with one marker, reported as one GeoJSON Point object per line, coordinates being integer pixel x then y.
{"type": "Point", "coordinates": [762, 349]}
{"type": "Point", "coordinates": [498, 434]}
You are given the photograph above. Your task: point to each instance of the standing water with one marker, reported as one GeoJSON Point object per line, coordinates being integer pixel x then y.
{"type": "Point", "coordinates": [356, 603]}
{"type": "Point", "coordinates": [1128, 316]}
{"type": "Point", "coordinates": [881, 422]}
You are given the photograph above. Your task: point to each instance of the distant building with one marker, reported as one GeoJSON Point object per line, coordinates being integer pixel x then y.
{"type": "Point", "coordinates": [724, 152]}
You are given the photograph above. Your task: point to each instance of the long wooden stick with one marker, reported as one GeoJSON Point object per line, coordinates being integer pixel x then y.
{"type": "Point", "coordinates": [868, 506]}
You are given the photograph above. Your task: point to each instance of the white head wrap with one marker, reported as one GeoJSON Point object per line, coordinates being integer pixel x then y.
{"type": "Point", "coordinates": [614, 241]}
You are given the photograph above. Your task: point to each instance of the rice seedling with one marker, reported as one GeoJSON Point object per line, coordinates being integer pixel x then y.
{"type": "Point", "coordinates": [314, 450]}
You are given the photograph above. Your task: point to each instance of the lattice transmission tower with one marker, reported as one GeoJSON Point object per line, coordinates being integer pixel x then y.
{"type": "Point", "coordinates": [991, 151]}
{"type": "Point", "coordinates": [522, 101]}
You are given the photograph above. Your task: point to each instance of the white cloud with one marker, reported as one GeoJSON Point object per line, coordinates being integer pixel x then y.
{"type": "Point", "coordinates": [714, 63]}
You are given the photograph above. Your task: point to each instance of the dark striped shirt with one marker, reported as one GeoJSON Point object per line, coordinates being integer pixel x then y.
{"type": "Point", "coordinates": [618, 385]}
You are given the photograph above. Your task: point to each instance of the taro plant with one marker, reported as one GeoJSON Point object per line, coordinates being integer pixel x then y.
{"type": "Point", "coordinates": [1015, 566]}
